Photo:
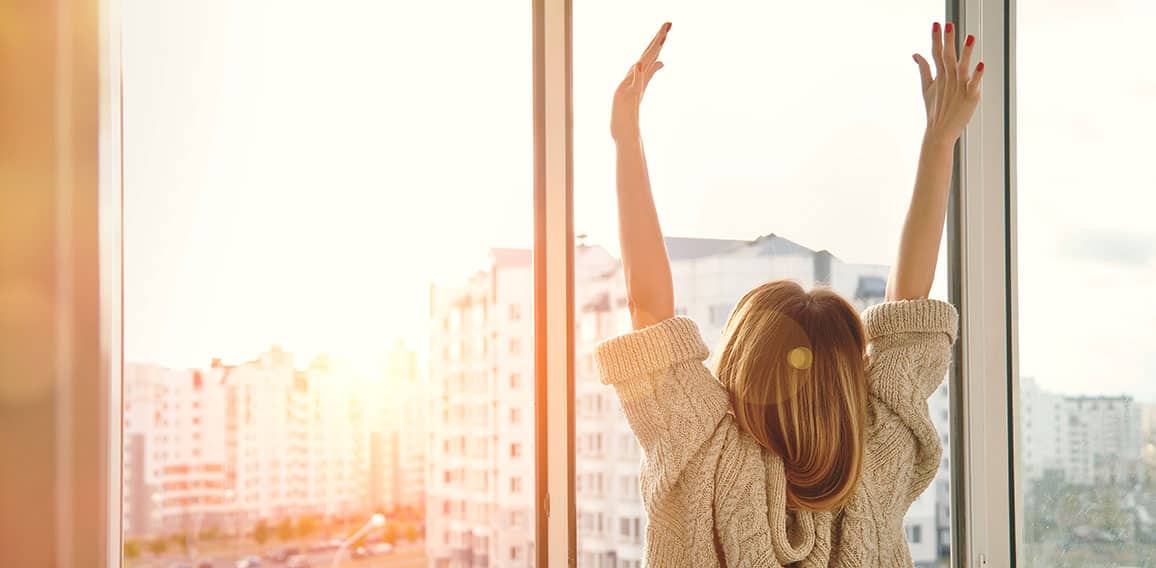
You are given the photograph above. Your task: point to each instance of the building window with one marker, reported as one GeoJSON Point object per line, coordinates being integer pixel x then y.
{"type": "Point", "coordinates": [515, 415]}
{"type": "Point", "coordinates": [515, 312]}
{"type": "Point", "coordinates": [719, 313]}
{"type": "Point", "coordinates": [516, 485]}
{"type": "Point", "coordinates": [515, 381]}
{"type": "Point", "coordinates": [515, 346]}
{"type": "Point", "coordinates": [515, 450]}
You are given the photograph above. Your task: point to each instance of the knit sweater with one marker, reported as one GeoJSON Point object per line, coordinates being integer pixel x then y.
{"type": "Point", "coordinates": [715, 497]}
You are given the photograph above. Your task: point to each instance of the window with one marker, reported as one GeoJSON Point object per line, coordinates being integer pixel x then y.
{"type": "Point", "coordinates": [747, 189]}
{"type": "Point", "coordinates": [719, 313]}
{"type": "Point", "coordinates": [322, 249]}
{"type": "Point", "coordinates": [1086, 257]}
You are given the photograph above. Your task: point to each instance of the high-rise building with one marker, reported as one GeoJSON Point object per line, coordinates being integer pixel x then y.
{"type": "Point", "coordinates": [399, 436]}
{"type": "Point", "coordinates": [175, 467]}
{"type": "Point", "coordinates": [480, 466]}
{"type": "Point", "coordinates": [227, 446]}
{"type": "Point", "coordinates": [1083, 440]}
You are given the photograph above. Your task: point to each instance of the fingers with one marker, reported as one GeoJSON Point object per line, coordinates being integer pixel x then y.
{"type": "Point", "coordinates": [924, 72]}
{"type": "Point", "coordinates": [651, 54]}
{"type": "Point", "coordinates": [937, 49]}
{"type": "Point", "coordinates": [965, 59]}
{"type": "Point", "coordinates": [950, 62]}
{"type": "Point", "coordinates": [973, 84]}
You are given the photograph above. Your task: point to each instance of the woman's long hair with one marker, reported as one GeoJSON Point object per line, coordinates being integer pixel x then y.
{"type": "Point", "coordinates": [793, 362]}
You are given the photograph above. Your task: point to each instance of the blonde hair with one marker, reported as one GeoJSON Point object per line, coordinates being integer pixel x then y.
{"type": "Point", "coordinates": [793, 362]}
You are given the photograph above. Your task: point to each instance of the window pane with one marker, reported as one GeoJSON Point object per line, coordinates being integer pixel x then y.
{"type": "Point", "coordinates": [323, 318]}
{"type": "Point", "coordinates": [1087, 421]}
{"type": "Point", "coordinates": [764, 166]}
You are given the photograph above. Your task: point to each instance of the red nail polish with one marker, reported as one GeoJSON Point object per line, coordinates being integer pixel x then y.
{"type": "Point", "coordinates": [950, 27]}
{"type": "Point", "coordinates": [935, 27]}
{"type": "Point", "coordinates": [979, 67]}
{"type": "Point", "coordinates": [970, 40]}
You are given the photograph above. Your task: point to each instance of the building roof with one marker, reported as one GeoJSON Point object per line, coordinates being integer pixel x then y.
{"type": "Point", "coordinates": [687, 248]}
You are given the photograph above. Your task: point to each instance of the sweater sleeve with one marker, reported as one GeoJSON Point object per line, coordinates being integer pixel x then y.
{"type": "Point", "coordinates": [672, 402]}
{"type": "Point", "coordinates": [909, 350]}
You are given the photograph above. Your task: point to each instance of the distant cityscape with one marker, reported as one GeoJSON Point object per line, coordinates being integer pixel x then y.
{"type": "Point", "coordinates": [446, 453]}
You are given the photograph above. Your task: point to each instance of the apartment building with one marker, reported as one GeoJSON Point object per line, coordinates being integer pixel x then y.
{"type": "Point", "coordinates": [1085, 440]}
{"type": "Point", "coordinates": [480, 467]}
{"type": "Point", "coordinates": [175, 470]}
{"type": "Point", "coordinates": [227, 446]}
{"type": "Point", "coordinates": [399, 435]}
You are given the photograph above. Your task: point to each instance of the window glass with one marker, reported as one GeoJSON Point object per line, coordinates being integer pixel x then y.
{"type": "Point", "coordinates": [328, 288]}
{"type": "Point", "coordinates": [1087, 385]}
{"type": "Point", "coordinates": [764, 165]}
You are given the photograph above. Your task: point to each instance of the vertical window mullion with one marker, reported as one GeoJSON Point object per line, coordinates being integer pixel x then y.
{"type": "Point", "coordinates": [553, 274]}
{"type": "Point", "coordinates": [987, 268]}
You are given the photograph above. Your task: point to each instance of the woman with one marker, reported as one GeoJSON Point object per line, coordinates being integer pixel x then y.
{"type": "Point", "coordinates": [812, 438]}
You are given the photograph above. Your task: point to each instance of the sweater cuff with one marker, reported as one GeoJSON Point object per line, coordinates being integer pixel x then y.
{"type": "Point", "coordinates": [648, 350]}
{"type": "Point", "coordinates": [904, 316]}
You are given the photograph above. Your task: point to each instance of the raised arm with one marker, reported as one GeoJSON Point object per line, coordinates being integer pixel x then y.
{"type": "Point", "coordinates": [649, 286]}
{"type": "Point", "coordinates": [951, 98]}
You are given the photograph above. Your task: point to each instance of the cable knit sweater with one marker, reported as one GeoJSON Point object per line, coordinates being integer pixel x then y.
{"type": "Point", "coordinates": [714, 497]}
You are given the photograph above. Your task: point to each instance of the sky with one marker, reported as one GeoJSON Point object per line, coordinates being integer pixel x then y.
{"type": "Point", "coordinates": [298, 172]}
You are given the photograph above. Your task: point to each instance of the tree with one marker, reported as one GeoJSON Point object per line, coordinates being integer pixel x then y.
{"type": "Point", "coordinates": [285, 529]}
{"type": "Point", "coordinates": [131, 549]}
{"type": "Point", "coordinates": [158, 545]}
{"type": "Point", "coordinates": [261, 532]}
{"type": "Point", "coordinates": [411, 532]}
{"type": "Point", "coordinates": [390, 533]}
{"type": "Point", "coordinates": [182, 540]}
{"type": "Point", "coordinates": [212, 532]}
{"type": "Point", "coordinates": [306, 526]}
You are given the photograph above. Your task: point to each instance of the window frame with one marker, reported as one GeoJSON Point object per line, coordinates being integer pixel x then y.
{"type": "Point", "coordinates": [982, 246]}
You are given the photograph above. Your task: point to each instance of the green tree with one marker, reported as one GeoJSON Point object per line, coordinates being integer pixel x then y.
{"type": "Point", "coordinates": [212, 532]}
{"type": "Point", "coordinates": [131, 549]}
{"type": "Point", "coordinates": [285, 529]}
{"type": "Point", "coordinates": [411, 532]}
{"type": "Point", "coordinates": [158, 545]}
{"type": "Point", "coordinates": [306, 526]}
{"type": "Point", "coordinates": [261, 532]}
{"type": "Point", "coordinates": [390, 533]}
{"type": "Point", "coordinates": [182, 540]}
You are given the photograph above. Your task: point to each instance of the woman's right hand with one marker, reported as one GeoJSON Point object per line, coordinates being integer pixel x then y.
{"type": "Point", "coordinates": [628, 97]}
{"type": "Point", "coordinates": [953, 94]}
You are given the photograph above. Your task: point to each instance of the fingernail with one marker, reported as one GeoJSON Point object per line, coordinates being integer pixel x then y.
{"type": "Point", "coordinates": [970, 40]}
{"type": "Point", "coordinates": [979, 67]}
{"type": "Point", "coordinates": [950, 27]}
{"type": "Point", "coordinates": [935, 27]}
{"type": "Point", "coordinates": [668, 26]}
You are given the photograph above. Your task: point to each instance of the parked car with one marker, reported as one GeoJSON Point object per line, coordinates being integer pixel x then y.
{"type": "Point", "coordinates": [249, 562]}
{"type": "Point", "coordinates": [379, 549]}
{"type": "Point", "coordinates": [205, 564]}
{"type": "Point", "coordinates": [298, 562]}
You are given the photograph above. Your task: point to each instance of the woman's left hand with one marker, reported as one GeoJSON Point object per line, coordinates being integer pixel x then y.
{"type": "Point", "coordinates": [952, 96]}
